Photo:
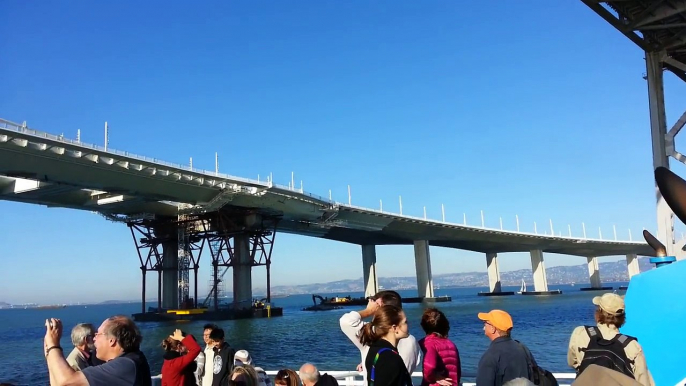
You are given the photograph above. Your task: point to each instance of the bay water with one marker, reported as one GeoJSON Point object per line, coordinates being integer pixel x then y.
{"type": "Point", "coordinates": [543, 323]}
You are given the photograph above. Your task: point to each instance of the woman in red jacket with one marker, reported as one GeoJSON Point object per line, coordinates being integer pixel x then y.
{"type": "Point", "coordinates": [441, 359]}
{"type": "Point", "coordinates": [179, 359]}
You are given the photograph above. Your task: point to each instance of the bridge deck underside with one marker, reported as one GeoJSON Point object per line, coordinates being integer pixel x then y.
{"type": "Point", "coordinates": [56, 173]}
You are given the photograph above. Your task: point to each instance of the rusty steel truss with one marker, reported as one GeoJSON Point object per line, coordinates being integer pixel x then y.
{"type": "Point", "coordinates": [190, 233]}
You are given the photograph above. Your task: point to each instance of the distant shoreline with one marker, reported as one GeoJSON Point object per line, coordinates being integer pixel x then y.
{"type": "Point", "coordinates": [6, 306]}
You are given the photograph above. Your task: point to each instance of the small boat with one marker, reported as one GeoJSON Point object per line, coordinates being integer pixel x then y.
{"type": "Point", "coordinates": [345, 301]}
{"type": "Point", "coordinates": [322, 306]}
{"type": "Point", "coordinates": [523, 288]}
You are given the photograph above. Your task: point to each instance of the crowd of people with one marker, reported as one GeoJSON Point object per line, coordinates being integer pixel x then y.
{"type": "Point", "coordinates": [389, 354]}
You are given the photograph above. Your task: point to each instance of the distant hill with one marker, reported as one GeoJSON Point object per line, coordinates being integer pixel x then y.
{"type": "Point", "coordinates": [609, 272]}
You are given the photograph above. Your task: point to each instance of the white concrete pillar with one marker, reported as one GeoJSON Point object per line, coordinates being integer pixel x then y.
{"type": "Point", "coordinates": [493, 272]}
{"type": "Point", "coordinates": [538, 269]}
{"type": "Point", "coordinates": [242, 272]}
{"type": "Point", "coordinates": [422, 260]}
{"type": "Point", "coordinates": [632, 264]}
{"type": "Point", "coordinates": [593, 272]}
{"type": "Point", "coordinates": [170, 275]}
{"type": "Point", "coordinates": [371, 283]}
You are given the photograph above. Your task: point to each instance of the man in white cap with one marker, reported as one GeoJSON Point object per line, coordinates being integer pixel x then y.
{"type": "Point", "coordinates": [605, 346]}
{"type": "Point", "coordinates": [243, 358]}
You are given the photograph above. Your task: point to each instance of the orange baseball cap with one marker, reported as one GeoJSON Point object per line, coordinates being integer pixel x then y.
{"type": "Point", "coordinates": [498, 319]}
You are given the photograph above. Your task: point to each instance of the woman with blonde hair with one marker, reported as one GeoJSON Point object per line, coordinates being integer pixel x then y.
{"type": "Point", "coordinates": [385, 367]}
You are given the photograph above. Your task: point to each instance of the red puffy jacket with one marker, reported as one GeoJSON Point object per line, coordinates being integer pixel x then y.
{"type": "Point", "coordinates": [175, 371]}
{"type": "Point", "coordinates": [441, 360]}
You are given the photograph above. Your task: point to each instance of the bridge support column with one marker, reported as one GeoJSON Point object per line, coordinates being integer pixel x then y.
{"type": "Point", "coordinates": [632, 265]}
{"type": "Point", "coordinates": [242, 272]}
{"type": "Point", "coordinates": [594, 275]}
{"type": "Point", "coordinates": [493, 272]}
{"type": "Point", "coordinates": [170, 275]}
{"type": "Point", "coordinates": [494, 285]}
{"type": "Point", "coordinates": [538, 269]}
{"type": "Point", "coordinates": [593, 272]}
{"type": "Point", "coordinates": [422, 260]}
{"type": "Point", "coordinates": [371, 283]}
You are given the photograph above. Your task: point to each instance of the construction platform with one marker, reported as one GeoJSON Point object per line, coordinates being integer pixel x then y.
{"type": "Point", "coordinates": [502, 293]}
{"type": "Point", "coordinates": [206, 314]}
{"type": "Point", "coordinates": [437, 299]}
{"type": "Point", "coordinates": [595, 289]}
{"type": "Point", "coordinates": [552, 292]}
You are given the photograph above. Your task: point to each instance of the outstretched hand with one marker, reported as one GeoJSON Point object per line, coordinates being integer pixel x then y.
{"type": "Point", "coordinates": [53, 333]}
{"type": "Point", "coordinates": [177, 335]}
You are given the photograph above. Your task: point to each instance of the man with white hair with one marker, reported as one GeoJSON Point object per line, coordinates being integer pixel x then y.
{"type": "Point", "coordinates": [82, 338]}
{"type": "Point", "coordinates": [309, 375]}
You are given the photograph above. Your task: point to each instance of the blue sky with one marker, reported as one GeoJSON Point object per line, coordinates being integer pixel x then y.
{"type": "Point", "coordinates": [475, 105]}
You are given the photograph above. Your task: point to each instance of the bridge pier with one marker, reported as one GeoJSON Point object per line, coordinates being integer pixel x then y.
{"type": "Point", "coordinates": [422, 261]}
{"type": "Point", "coordinates": [493, 272]}
{"type": "Point", "coordinates": [371, 283]}
{"type": "Point", "coordinates": [170, 275]}
{"type": "Point", "coordinates": [594, 275]}
{"type": "Point", "coordinates": [242, 272]}
{"type": "Point", "coordinates": [632, 265]}
{"type": "Point", "coordinates": [494, 285]}
{"type": "Point", "coordinates": [540, 279]}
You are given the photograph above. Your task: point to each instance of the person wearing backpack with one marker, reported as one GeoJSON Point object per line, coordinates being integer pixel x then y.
{"type": "Point", "coordinates": [385, 366]}
{"type": "Point", "coordinates": [605, 346]}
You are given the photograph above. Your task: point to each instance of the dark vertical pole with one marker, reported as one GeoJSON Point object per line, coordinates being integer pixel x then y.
{"type": "Point", "coordinates": [269, 282]}
{"type": "Point", "coordinates": [195, 281]}
{"type": "Point", "coordinates": [159, 290]}
{"type": "Point", "coordinates": [143, 293]}
{"type": "Point", "coordinates": [216, 285]}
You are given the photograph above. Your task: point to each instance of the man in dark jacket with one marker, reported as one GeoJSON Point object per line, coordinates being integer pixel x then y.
{"type": "Point", "coordinates": [222, 365]}
{"type": "Point", "coordinates": [505, 359]}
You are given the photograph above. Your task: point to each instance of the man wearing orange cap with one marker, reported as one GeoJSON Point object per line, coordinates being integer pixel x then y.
{"type": "Point", "coordinates": [605, 346]}
{"type": "Point", "coordinates": [505, 359]}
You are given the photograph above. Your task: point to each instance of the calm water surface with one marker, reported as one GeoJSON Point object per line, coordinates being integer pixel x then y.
{"type": "Point", "coordinates": [543, 323]}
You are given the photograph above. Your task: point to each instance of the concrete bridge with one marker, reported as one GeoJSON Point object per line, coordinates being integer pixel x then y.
{"type": "Point", "coordinates": [182, 211]}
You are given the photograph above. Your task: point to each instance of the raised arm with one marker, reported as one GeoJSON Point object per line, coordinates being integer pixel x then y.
{"type": "Point", "coordinates": [61, 374]}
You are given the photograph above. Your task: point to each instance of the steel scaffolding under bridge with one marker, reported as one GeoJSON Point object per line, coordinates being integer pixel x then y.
{"type": "Point", "coordinates": [658, 27]}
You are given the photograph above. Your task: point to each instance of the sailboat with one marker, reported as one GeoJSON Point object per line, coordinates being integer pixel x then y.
{"type": "Point", "coordinates": [523, 289]}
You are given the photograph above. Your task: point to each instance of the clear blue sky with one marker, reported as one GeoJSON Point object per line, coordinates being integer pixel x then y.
{"type": "Point", "coordinates": [538, 111]}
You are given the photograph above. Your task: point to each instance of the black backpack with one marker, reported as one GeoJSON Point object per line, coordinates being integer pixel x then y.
{"type": "Point", "coordinates": [606, 353]}
{"type": "Point", "coordinates": [539, 376]}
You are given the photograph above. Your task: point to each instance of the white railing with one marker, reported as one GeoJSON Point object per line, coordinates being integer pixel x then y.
{"type": "Point", "coordinates": [354, 378]}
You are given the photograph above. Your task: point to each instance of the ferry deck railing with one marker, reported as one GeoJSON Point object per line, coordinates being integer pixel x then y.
{"type": "Point", "coordinates": [354, 378]}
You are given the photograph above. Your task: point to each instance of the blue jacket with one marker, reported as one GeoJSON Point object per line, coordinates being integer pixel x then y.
{"type": "Point", "coordinates": [504, 361]}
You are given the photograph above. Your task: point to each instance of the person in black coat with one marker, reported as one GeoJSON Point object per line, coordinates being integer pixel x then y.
{"type": "Point", "coordinates": [223, 359]}
{"type": "Point", "coordinates": [385, 367]}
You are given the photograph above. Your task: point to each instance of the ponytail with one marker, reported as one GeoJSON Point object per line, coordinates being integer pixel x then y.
{"type": "Point", "coordinates": [384, 319]}
{"type": "Point", "coordinates": [368, 334]}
